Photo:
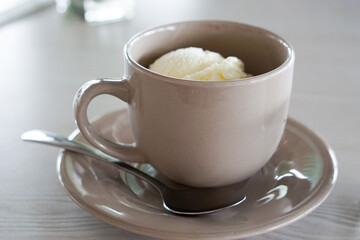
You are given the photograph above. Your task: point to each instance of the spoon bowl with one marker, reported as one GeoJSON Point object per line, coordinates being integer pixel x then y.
{"type": "Point", "coordinates": [177, 198]}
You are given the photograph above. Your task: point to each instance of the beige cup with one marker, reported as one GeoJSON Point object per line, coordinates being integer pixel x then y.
{"type": "Point", "coordinates": [199, 133]}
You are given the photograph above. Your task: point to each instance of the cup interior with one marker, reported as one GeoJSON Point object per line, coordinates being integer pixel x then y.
{"type": "Point", "coordinates": [260, 50]}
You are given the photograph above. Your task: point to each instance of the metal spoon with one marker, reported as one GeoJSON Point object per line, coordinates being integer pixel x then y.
{"type": "Point", "coordinates": [182, 200]}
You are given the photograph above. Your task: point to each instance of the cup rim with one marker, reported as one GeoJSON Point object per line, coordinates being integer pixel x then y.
{"type": "Point", "coordinates": [288, 61]}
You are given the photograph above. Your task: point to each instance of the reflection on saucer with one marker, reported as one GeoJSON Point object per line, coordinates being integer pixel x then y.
{"type": "Point", "coordinates": [299, 176]}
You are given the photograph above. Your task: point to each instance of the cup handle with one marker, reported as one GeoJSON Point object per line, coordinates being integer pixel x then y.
{"type": "Point", "coordinates": [118, 88]}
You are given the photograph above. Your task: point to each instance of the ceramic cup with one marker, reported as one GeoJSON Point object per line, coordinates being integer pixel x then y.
{"type": "Point", "coordinates": [199, 133]}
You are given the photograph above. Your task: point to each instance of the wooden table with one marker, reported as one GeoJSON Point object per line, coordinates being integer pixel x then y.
{"type": "Point", "coordinates": [45, 57]}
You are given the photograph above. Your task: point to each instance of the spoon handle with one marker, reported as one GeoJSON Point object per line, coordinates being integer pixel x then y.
{"type": "Point", "coordinates": [53, 139]}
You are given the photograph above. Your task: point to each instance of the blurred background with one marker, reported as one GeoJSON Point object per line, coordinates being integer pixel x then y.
{"type": "Point", "coordinates": [47, 52]}
{"type": "Point", "coordinates": [69, 51]}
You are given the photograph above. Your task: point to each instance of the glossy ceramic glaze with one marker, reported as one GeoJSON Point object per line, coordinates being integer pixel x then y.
{"type": "Point", "coordinates": [294, 182]}
{"type": "Point", "coordinates": [195, 132]}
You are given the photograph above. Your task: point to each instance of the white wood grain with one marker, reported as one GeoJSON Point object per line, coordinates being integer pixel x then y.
{"type": "Point", "coordinates": [46, 57]}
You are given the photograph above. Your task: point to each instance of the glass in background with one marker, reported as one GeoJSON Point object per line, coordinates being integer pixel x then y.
{"type": "Point", "coordinates": [98, 11]}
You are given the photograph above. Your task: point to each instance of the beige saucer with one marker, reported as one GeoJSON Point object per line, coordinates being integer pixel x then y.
{"type": "Point", "coordinates": [296, 180]}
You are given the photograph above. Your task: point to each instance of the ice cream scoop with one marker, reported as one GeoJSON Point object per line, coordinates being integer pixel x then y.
{"type": "Point", "coordinates": [197, 64]}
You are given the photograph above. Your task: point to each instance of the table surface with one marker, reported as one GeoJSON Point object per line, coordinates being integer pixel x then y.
{"type": "Point", "coordinates": [45, 57]}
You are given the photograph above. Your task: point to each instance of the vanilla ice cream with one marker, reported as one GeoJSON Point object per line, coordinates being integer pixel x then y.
{"type": "Point", "coordinates": [196, 64]}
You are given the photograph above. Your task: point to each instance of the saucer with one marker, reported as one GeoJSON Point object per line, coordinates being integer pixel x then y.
{"type": "Point", "coordinates": [296, 180]}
